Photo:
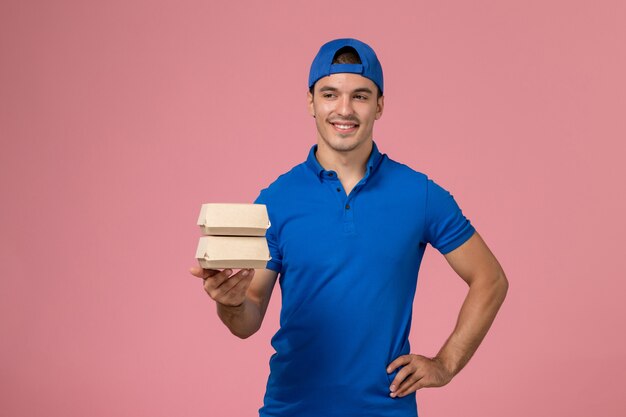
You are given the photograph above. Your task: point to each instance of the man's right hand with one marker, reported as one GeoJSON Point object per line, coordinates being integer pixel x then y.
{"type": "Point", "coordinates": [223, 287]}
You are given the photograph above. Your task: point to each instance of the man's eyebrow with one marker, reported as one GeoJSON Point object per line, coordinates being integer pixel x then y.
{"type": "Point", "coordinates": [358, 90]}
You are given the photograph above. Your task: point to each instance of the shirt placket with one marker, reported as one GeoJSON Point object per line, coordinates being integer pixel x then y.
{"type": "Point", "coordinates": [347, 202]}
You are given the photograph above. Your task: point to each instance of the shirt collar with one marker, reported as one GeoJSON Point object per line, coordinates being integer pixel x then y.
{"type": "Point", "coordinates": [372, 162]}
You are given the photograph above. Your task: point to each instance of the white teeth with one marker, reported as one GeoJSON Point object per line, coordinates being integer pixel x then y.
{"type": "Point", "coordinates": [345, 127]}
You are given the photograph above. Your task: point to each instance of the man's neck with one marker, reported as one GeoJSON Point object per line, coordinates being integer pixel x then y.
{"type": "Point", "coordinates": [350, 166]}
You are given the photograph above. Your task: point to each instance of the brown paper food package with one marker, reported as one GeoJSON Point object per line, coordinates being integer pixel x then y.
{"type": "Point", "coordinates": [235, 252]}
{"type": "Point", "coordinates": [233, 219]}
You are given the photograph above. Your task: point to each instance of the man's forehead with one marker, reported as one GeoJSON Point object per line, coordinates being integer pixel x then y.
{"type": "Point", "coordinates": [347, 81]}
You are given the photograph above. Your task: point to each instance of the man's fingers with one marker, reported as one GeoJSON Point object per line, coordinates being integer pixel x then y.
{"type": "Point", "coordinates": [400, 378]}
{"type": "Point", "coordinates": [212, 282]}
{"type": "Point", "coordinates": [218, 286]}
{"type": "Point", "coordinates": [424, 372]}
{"type": "Point", "coordinates": [244, 278]}
{"type": "Point", "coordinates": [196, 271]}
{"type": "Point", "coordinates": [412, 371]}
{"type": "Point", "coordinates": [222, 286]}
{"type": "Point", "coordinates": [409, 388]}
{"type": "Point", "coordinates": [235, 281]}
{"type": "Point", "coordinates": [399, 361]}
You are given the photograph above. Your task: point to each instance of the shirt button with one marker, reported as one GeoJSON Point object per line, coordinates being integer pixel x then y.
{"type": "Point", "coordinates": [338, 189]}
{"type": "Point", "coordinates": [330, 174]}
{"type": "Point", "coordinates": [347, 206]}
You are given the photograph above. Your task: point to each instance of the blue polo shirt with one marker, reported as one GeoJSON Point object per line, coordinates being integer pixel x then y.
{"type": "Point", "coordinates": [348, 269]}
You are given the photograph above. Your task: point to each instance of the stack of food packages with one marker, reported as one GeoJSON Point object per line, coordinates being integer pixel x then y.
{"type": "Point", "coordinates": [234, 236]}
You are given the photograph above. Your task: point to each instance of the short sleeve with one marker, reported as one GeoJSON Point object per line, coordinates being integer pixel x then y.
{"type": "Point", "coordinates": [276, 263]}
{"type": "Point", "coordinates": [446, 227]}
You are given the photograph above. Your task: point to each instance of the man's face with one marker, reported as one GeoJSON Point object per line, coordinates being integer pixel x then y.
{"type": "Point", "coordinates": [345, 107]}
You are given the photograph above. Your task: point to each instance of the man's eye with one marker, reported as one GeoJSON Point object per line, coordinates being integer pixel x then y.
{"type": "Point", "coordinates": [360, 97]}
{"type": "Point", "coordinates": [328, 95]}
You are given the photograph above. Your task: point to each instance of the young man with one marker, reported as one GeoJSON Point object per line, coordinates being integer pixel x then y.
{"type": "Point", "coordinates": [349, 230]}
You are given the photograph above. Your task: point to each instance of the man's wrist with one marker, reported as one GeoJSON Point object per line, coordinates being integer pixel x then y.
{"type": "Point", "coordinates": [232, 308]}
{"type": "Point", "coordinates": [447, 365]}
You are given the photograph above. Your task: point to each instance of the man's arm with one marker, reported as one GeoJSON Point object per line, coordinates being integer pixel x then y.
{"type": "Point", "coordinates": [479, 268]}
{"type": "Point", "coordinates": [241, 299]}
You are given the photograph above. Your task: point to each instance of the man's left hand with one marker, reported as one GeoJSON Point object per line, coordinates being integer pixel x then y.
{"type": "Point", "coordinates": [417, 372]}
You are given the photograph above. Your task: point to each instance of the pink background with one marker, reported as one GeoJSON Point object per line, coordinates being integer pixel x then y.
{"type": "Point", "coordinates": [119, 118]}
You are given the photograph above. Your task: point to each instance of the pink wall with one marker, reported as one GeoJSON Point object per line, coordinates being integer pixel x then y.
{"type": "Point", "coordinates": [119, 118]}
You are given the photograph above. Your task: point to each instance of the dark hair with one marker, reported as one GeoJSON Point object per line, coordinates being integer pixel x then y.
{"type": "Point", "coordinates": [347, 55]}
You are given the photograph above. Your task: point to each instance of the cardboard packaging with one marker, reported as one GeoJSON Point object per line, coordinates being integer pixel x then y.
{"type": "Point", "coordinates": [233, 219]}
{"type": "Point", "coordinates": [236, 252]}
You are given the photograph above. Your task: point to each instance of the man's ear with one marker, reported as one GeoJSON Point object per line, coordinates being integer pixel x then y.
{"type": "Point", "coordinates": [309, 101]}
{"type": "Point", "coordinates": [380, 104]}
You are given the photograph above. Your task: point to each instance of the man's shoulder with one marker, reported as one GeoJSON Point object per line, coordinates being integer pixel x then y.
{"type": "Point", "coordinates": [410, 180]}
{"type": "Point", "coordinates": [285, 183]}
{"type": "Point", "coordinates": [404, 171]}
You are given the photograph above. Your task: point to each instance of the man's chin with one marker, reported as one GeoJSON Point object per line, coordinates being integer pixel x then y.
{"type": "Point", "coordinates": [346, 146]}
{"type": "Point", "coordinates": [342, 144]}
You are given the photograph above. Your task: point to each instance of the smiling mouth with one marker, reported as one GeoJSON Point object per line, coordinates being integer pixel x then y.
{"type": "Point", "coordinates": [344, 126]}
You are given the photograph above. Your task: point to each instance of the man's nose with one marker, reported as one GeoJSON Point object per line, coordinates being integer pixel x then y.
{"type": "Point", "coordinates": [345, 106]}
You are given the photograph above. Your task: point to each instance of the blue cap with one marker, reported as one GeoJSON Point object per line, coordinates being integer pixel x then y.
{"type": "Point", "coordinates": [369, 67]}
